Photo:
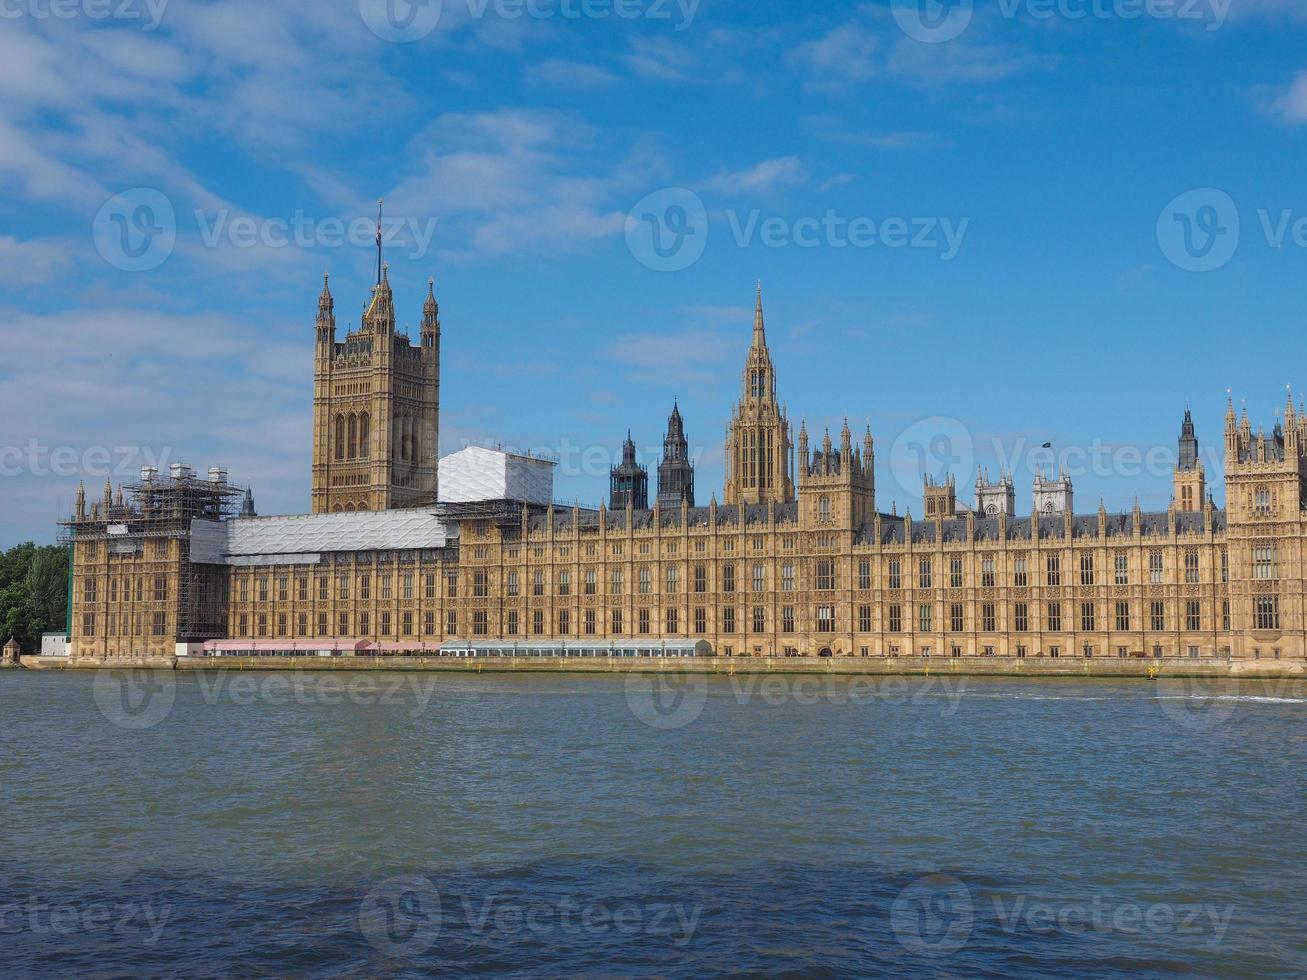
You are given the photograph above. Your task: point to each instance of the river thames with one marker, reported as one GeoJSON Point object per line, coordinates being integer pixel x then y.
{"type": "Point", "coordinates": [320, 825]}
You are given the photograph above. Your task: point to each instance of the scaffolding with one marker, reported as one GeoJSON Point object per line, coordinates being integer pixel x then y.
{"type": "Point", "coordinates": [160, 508]}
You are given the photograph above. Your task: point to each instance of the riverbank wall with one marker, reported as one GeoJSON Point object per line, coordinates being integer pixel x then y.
{"type": "Point", "coordinates": [884, 666]}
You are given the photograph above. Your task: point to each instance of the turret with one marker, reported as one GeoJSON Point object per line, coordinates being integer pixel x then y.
{"type": "Point", "coordinates": [430, 317]}
{"type": "Point", "coordinates": [676, 472]}
{"type": "Point", "coordinates": [326, 325]}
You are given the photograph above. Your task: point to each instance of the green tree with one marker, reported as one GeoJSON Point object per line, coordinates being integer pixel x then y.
{"type": "Point", "coordinates": [33, 593]}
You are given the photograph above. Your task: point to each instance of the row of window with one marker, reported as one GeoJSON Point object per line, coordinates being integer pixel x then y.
{"type": "Point", "coordinates": [131, 589]}
{"type": "Point", "coordinates": [1022, 575]}
{"type": "Point", "coordinates": [825, 578]}
{"type": "Point", "coordinates": [1267, 615]}
{"type": "Point", "coordinates": [126, 624]}
{"type": "Point", "coordinates": [1023, 617]}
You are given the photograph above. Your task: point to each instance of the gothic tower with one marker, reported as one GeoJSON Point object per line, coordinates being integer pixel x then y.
{"type": "Point", "coordinates": [1190, 484]}
{"type": "Point", "coordinates": [993, 499]}
{"type": "Point", "coordinates": [376, 407]}
{"type": "Point", "coordinates": [675, 472]}
{"type": "Point", "coordinates": [629, 482]}
{"type": "Point", "coordinates": [837, 489]}
{"type": "Point", "coordinates": [758, 444]}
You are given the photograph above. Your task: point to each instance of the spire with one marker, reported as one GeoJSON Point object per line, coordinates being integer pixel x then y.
{"type": "Point", "coordinates": [1188, 449]}
{"type": "Point", "coordinates": [759, 331]}
{"type": "Point", "coordinates": [247, 506]}
{"type": "Point", "coordinates": [326, 310]}
{"type": "Point", "coordinates": [380, 267]}
{"type": "Point", "coordinates": [430, 315]}
{"type": "Point", "coordinates": [81, 500]}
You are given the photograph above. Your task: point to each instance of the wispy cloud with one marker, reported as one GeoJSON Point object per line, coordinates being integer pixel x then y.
{"type": "Point", "coordinates": [762, 176]}
{"type": "Point", "coordinates": [561, 73]}
{"type": "Point", "coordinates": [1290, 105]}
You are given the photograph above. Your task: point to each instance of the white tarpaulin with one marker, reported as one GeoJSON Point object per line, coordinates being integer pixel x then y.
{"type": "Point", "coordinates": [475, 474]}
{"type": "Point", "coordinates": [304, 538]}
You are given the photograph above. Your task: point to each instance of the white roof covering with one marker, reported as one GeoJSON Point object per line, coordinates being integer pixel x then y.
{"type": "Point", "coordinates": [474, 474]}
{"type": "Point", "coordinates": [303, 539]}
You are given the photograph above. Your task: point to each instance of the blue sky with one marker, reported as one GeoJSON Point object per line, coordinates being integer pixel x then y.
{"type": "Point", "coordinates": [1059, 149]}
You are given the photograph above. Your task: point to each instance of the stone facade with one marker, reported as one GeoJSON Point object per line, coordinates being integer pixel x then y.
{"type": "Point", "coordinates": [797, 559]}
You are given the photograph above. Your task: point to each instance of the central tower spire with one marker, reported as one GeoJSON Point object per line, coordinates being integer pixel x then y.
{"type": "Point", "coordinates": [758, 445]}
{"type": "Point", "coordinates": [379, 260]}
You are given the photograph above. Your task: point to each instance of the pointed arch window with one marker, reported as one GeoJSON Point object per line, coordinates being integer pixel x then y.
{"type": "Point", "coordinates": [365, 426]}
{"type": "Point", "coordinates": [340, 436]}
{"type": "Point", "coordinates": [353, 436]}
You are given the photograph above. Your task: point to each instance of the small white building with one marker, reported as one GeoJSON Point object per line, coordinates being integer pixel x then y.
{"type": "Point", "coordinates": [54, 644]}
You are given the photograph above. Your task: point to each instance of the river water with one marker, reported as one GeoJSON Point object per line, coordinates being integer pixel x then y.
{"type": "Point", "coordinates": [232, 823]}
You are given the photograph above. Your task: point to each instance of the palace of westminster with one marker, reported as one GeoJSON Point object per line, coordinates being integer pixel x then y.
{"type": "Point", "coordinates": [401, 557]}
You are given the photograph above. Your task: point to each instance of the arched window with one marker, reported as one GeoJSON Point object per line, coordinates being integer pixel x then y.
{"type": "Point", "coordinates": [349, 508]}
{"type": "Point", "coordinates": [338, 509]}
{"type": "Point", "coordinates": [353, 436]}
{"type": "Point", "coordinates": [340, 437]}
{"type": "Point", "coordinates": [363, 507]}
{"type": "Point", "coordinates": [365, 432]}
{"type": "Point", "coordinates": [825, 508]}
